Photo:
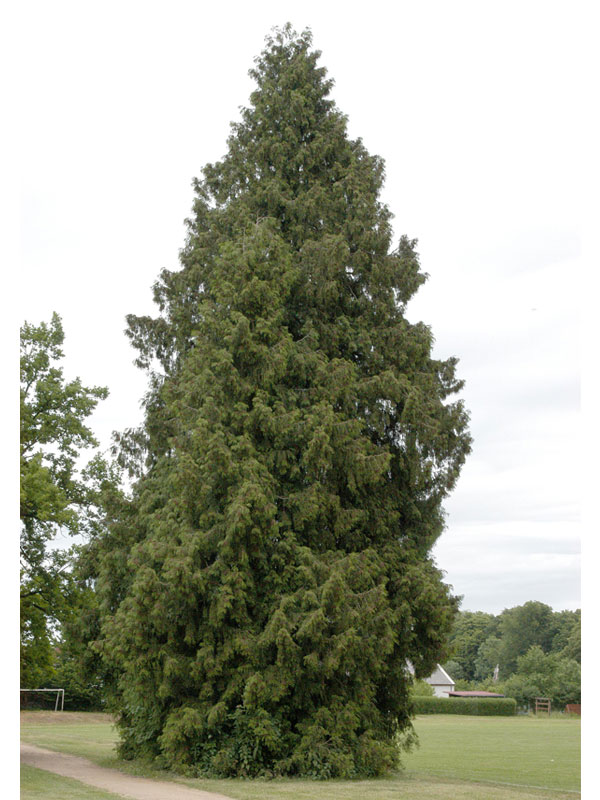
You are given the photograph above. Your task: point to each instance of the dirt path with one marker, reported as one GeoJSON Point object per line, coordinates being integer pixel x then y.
{"type": "Point", "coordinates": [111, 780]}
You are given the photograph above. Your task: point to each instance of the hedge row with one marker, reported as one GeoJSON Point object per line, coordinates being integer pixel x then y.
{"type": "Point", "coordinates": [476, 706]}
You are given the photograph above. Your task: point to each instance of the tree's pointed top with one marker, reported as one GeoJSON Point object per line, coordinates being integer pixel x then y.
{"type": "Point", "coordinates": [287, 33]}
{"type": "Point", "coordinates": [286, 38]}
{"type": "Point", "coordinates": [284, 46]}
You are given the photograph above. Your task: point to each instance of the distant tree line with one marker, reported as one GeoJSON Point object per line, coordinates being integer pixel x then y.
{"type": "Point", "coordinates": [525, 652]}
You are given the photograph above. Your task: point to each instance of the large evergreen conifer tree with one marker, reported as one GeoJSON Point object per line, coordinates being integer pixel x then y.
{"type": "Point", "coordinates": [262, 590]}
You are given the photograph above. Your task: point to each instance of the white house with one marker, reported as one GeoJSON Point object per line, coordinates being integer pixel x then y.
{"type": "Point", "coordinates": [440, 682]}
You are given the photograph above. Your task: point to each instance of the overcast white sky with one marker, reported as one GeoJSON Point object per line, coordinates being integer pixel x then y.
{"type": "Point", "coordinates": [477, 109]}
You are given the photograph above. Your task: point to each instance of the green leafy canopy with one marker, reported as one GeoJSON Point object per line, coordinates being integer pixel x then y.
{"type": "Point", "coordinates": [271, 575]}
{"type": "Point", "coordinates": [53, 495]}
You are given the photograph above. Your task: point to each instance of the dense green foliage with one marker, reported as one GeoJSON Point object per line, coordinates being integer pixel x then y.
{"type": "Point", "coordinates": [537, 652]}
{"type": "Point", "coordinates": [523, 627]}
{"type": "Point", "coordinates": [262, 590]}
{"type": "Point", "coordinates": [54, 497]}
{"type": "Point", "coordinates": [421, 688]}
{"type": "Point", "coordinates": [469, 632]}
{"type": "Point", "coordinates": [544, 675]}
{"type": "Point", "coordinates": [472, 706]}
{"type": "Point", "coordinates": [479, 642]}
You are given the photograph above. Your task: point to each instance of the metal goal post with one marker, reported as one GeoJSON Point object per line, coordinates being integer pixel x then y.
{"type": "Point", "coordinates": [60, 696]}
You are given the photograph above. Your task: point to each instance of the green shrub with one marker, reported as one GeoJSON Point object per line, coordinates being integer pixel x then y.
{"type": "Point", "coordinates": [475, 706]}
{"type": "Point", "coordinates": [421, 688]}
{"type": "Point", "coordinates": [80, 694]}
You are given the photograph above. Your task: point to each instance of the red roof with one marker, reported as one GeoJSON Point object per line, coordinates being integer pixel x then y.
{"type": "Point", "coordinates": [474, 694]}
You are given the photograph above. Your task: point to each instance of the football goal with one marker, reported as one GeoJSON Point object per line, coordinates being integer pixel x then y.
{"type": "Point", "coordinates": [36, 697]}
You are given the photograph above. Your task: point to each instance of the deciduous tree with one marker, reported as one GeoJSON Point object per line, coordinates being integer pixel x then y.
{"type": "Point", "coordinates": [523, 627]}
{"type": "Point", "coordinates": [53, 495]}
{"type": "Point", "coordinates": [540, 674]}
{"type": "Point", "coordinates": [469, 632]}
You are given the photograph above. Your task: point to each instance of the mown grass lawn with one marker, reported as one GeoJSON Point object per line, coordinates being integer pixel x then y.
{"type": "Point", "coordinates": [83, 734]}
{"type": "Point", "coordinates": [37, 784]}
{"type": "Point", "coordinates": [460, 758]}
{"type": "Point", "coordinates": [520, 750]}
